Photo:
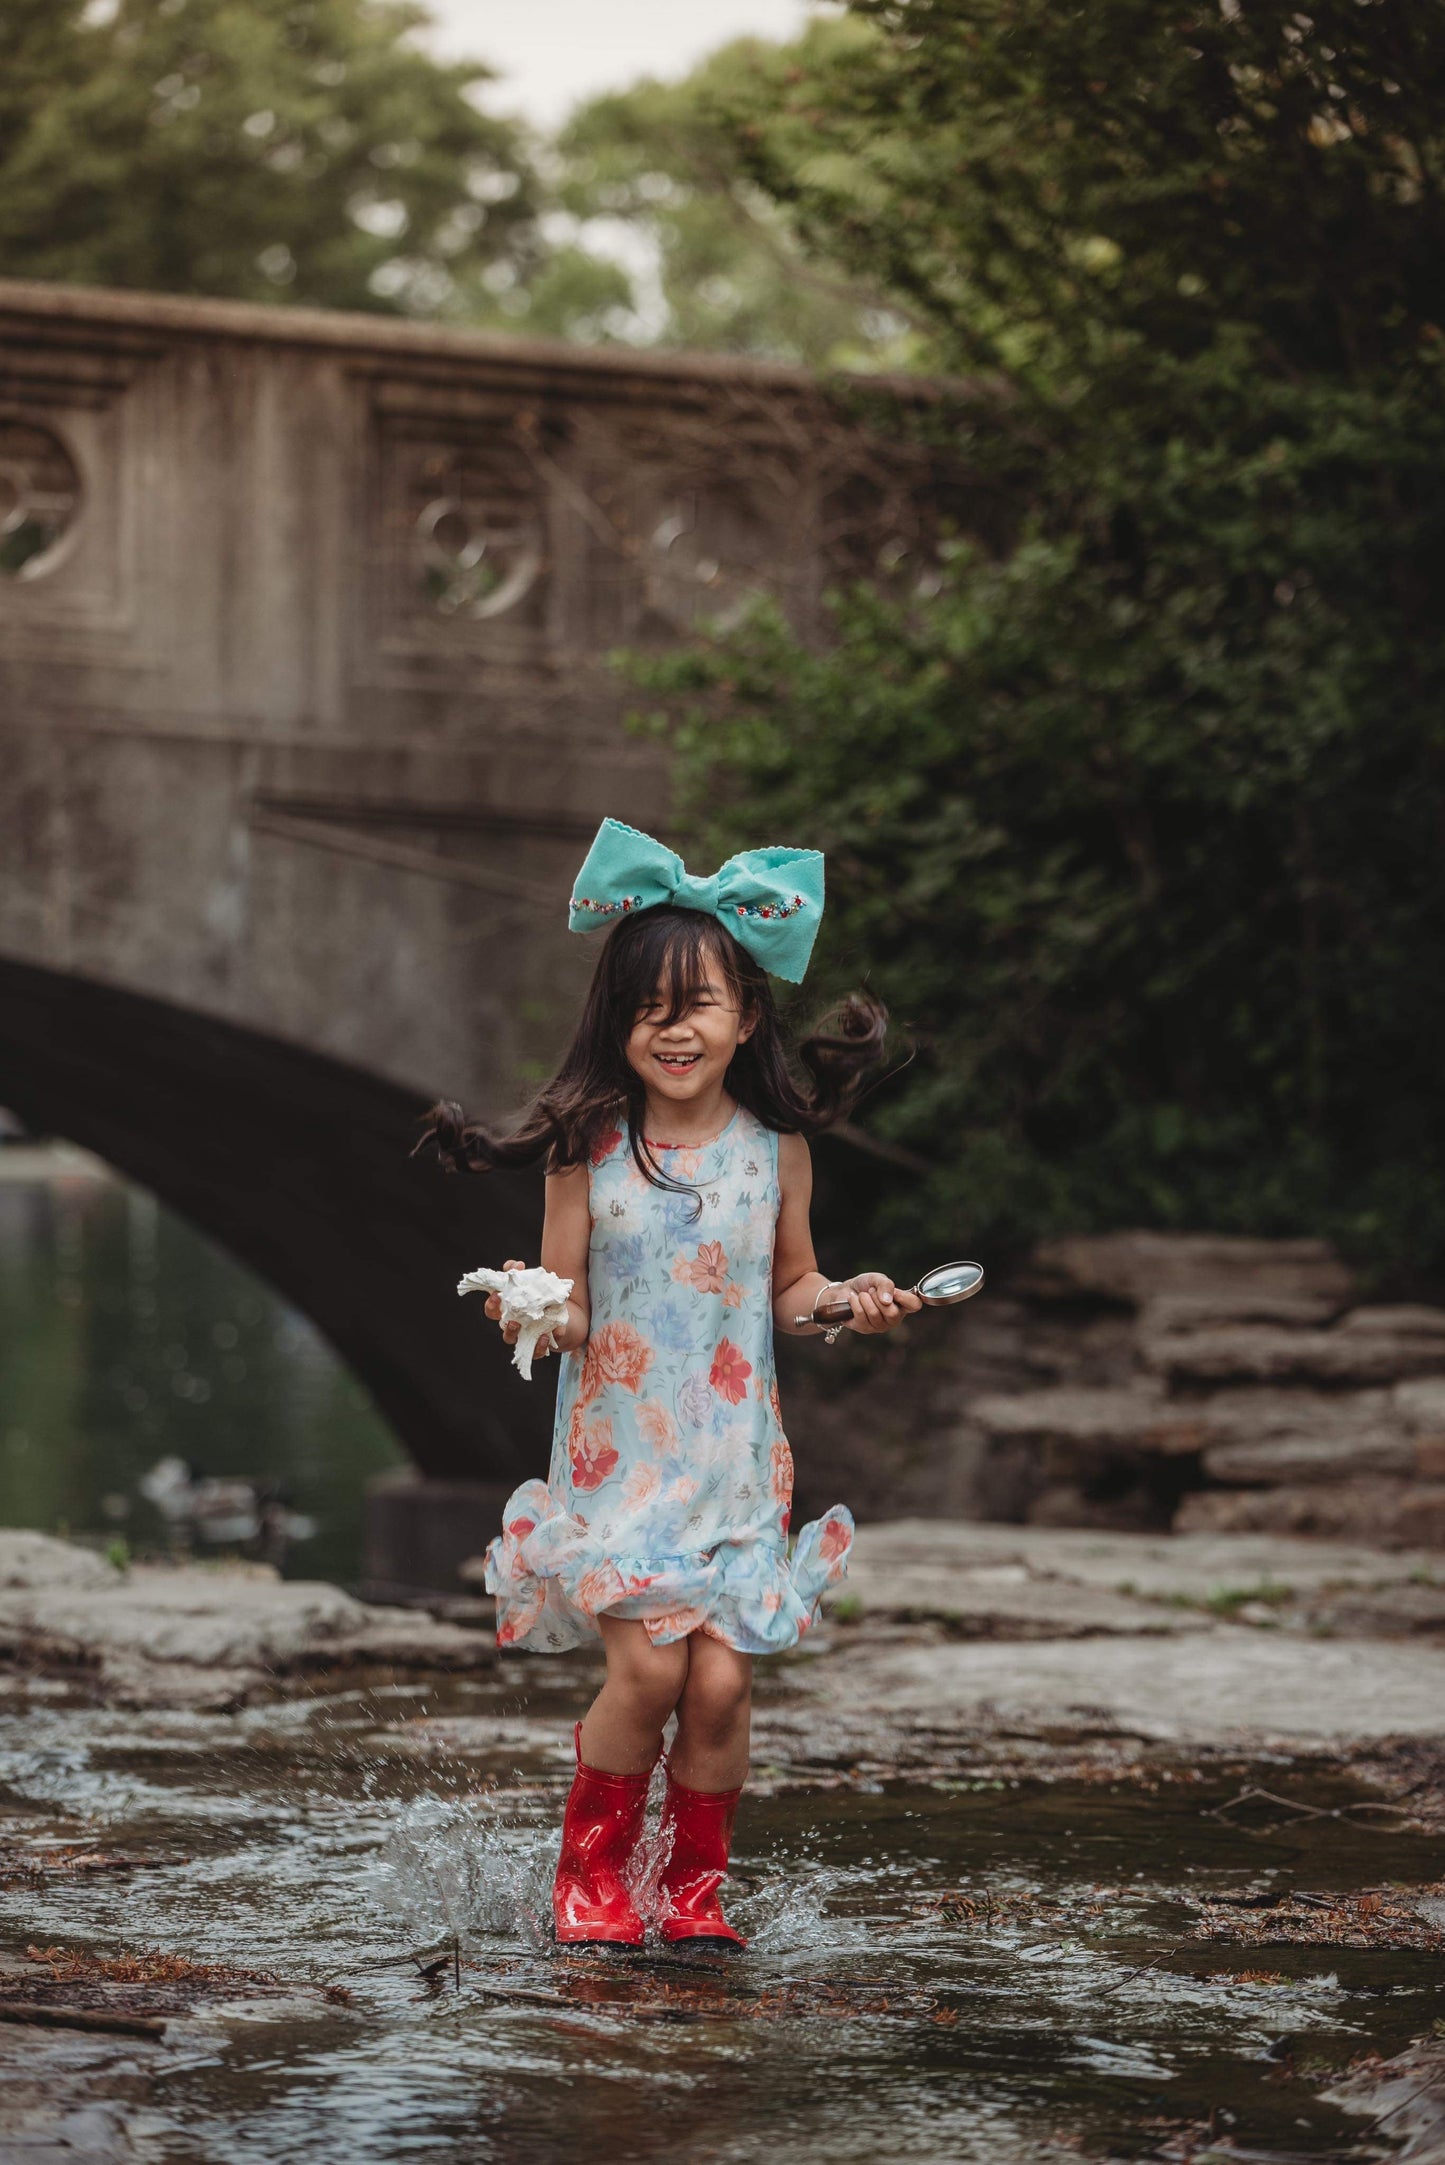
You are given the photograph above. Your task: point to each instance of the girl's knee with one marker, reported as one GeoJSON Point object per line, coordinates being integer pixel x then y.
{"type": "Point", "coordinates": [717, 1694]}
{"type": "Point", "coordinates": [653, 1676]}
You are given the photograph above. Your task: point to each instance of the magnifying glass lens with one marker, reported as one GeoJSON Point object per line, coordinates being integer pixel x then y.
{"type": "Point", "coordinates": [950, 1282]}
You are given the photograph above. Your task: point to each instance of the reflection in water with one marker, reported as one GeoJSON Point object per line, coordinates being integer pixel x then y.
{"type": "Point", "coordinates": [127, 1339]}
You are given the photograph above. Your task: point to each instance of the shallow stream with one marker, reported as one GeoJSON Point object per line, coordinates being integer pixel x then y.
{"type": "Point", "coordinates": [959, 1971]}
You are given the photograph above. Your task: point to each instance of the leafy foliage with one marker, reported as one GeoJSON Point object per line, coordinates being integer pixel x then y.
{"type": "Point", "coordinates": [262, 149]}
{"type": "Point", "coordinates": [655, 180]}
{"type": "Point", "coordinates": [1137, 822]}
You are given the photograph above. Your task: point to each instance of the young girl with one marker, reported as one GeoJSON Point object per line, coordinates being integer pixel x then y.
{"type": "Point", "coordinates": [678, 1184]}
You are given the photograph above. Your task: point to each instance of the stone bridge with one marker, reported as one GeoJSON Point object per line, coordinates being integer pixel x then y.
{"type": "Point", "coordinates": [305, 718]}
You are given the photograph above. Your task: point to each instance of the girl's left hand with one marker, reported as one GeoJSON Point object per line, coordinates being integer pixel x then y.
{"type": "Point", "coordinates": [878, 1305]}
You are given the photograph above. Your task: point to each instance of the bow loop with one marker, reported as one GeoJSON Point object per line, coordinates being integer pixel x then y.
{"type": "Point", "coordinates": [770, 900]}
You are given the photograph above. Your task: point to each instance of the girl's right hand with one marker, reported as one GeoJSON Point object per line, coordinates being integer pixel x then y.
{"type": "Point", "coordinates": [878, 1304]}
{"type": "Point", "coordinates": [494, 1305]}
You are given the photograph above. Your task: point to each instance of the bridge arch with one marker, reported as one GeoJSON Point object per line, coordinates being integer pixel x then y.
{"type": "Point", "coordinates": [298, 1164]}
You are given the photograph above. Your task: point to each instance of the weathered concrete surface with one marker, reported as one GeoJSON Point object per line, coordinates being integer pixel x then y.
{"type": "Point", "coordinates": [200, 1636]}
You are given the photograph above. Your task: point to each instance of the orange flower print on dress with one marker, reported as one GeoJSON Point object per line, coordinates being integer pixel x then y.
{"type": "Point", "coordinates": [640, 1487]}
{"type": "Point", "coordinates": [604, 1146]}
{"type": "Point", "coordinates": [597, 1588]}
{"type": "Point", "coordinates": [656, 1426]}
{"type": "Point", "coordinates": [592, 1454]}
{"type": "Point", "coordinates": [733, 1294]}
{"type": "Point", "coordinates": [516, 1624]}
{"type": "Point", "coordinates": [617, 1353]}
{"type": "Point", "coordinates": [780, 1473]}
{"type": "Point", "coordinates": [707, 1271]}
{"type": "Point", "coordinates": [674, 1624]}
{"type": "Point", "coordinates": [729, 1372]}
{"type": "Point", "coordinates": [833, 1541]}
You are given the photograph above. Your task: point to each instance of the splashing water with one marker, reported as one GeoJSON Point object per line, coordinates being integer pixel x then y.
{"type": "Point", "coordinates": [457, 1868]}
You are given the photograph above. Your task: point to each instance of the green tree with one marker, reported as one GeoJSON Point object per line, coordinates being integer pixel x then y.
{"type": "Point", "coordinates": [656, 183]}
{"type": "Point", "coordinates": [301, 150]}
{"type": "Point", "coordinates": [1137, 821]}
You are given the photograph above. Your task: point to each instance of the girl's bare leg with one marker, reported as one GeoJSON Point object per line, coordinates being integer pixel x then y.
{"type": "Point", "coordinates": [713, 1717]}
{"type": "Point", "coordinates": [622, 1733]}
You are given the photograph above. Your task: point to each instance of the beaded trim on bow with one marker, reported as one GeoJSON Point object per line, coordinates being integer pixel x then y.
{"type": "Point", "coordinates": [769, 909]}
{"type": "Point", "coordinates": [606, 909]}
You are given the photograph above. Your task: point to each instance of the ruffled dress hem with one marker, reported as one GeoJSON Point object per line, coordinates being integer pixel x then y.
{"type": "Point", "coordinates": [553, 1577]}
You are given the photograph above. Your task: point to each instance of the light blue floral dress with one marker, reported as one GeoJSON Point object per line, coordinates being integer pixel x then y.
{"type": "Point", "coordinates": [671, 1479]}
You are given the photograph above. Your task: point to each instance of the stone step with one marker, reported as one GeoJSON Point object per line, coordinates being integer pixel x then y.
{"type": "Point", "coordinates": [1394, 1514]}
{"type": "Point", "coordinates": [1265, 1353]}
{"type": "Point", "coordinates": [1082, 1423]}
{"type": "Point", "coordinates": [1137, 1267]}
{"type": "Point", "coordinates": [1245, 1435]}
{"type": "Point", "coordinates": [1276, 1461]}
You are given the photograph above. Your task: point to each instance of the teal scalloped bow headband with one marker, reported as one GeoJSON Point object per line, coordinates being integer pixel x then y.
{"type": "Point", "coordinates": [770, 900]}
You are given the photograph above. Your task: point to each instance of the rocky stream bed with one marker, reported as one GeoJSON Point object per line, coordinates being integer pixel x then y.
{"type": "Point", "coordinates": [1111, 1844]}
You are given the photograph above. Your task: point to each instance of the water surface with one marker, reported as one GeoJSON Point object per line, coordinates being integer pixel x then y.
{"type": "Point", "coordinates": [126, 1338]}
{"type": "Point", "coordinates": [876, 2015]}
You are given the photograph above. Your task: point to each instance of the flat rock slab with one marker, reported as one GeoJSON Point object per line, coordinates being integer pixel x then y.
{"type": "Point", "coordinates": [893, 1561]}
{"type": "Point", "coordinates": [1137, 1267]}
{"type": "Point", "coordinates": [1085, 1422]}
{"type": "Point", "coordinates": [1216, 1687]}
{"type": "Point", "coordinates": [1264, 1353]}
{"type": "Point", "coordinates": [1407, 2094]}
{"type": "Point", "coordinates": [30, 1559]}
{"type": "Point", "coordinates": [1005, 1600]}
{"type": "Point", "coordinates": [1387, 1513]}
{"type": "Point", "coordinates": [202, 1636]}
{"type": "Point", "coordinates": [1275, 1461]}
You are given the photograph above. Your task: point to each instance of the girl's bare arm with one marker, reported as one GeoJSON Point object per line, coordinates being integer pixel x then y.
{"type": "Point", "coordinates": [566, 1237]}
{"type": "Point", "coordinates": [876, 1302]}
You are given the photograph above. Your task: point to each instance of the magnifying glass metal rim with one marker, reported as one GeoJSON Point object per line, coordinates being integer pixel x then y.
{"type": "Point", "coordinates": [961, 1293]}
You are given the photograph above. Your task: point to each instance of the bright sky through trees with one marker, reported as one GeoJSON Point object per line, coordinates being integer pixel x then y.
{"type": "Point", "coordinates": [551, 54]}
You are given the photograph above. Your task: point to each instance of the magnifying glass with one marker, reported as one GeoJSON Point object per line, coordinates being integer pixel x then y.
{"type": "Point", "coordinates": [938, 1288]}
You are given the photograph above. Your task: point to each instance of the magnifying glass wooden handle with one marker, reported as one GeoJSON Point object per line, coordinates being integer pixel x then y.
{"type": "Point", "coordinates": [826, 1312]}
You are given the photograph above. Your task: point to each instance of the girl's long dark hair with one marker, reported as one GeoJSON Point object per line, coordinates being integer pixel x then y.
{"type": "Point", "coordinates": [670, 953]}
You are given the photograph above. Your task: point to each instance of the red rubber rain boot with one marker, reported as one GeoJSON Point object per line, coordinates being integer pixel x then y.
{"type": "Point", "coordinates": [701, 1829]}
{"type": "Point", "coordinates": [590, 1902]}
